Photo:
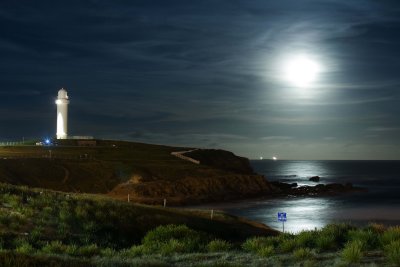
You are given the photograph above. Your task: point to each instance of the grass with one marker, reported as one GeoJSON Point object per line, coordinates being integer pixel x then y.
{"type": "Point", "coordinates": [40, 227]}
{"type": "Point", "coordinates": [147, 173]}
{"type": "Point", "coordinates": [108, 164]}
{"type": "Point", "coordinates": [301, 254]}
{"type": "Point", "coordinates": [353, 251]}
{"type": "Point", "coordinates": [392, 253]}
{"type": "Point", "coordinates": [218, 245]}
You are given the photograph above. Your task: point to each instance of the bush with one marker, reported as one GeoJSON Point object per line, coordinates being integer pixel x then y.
{"type": "Point", "coordinates": [71, 250]}
{"type": "Point", "coordinates": [376, 228]}
{"type": "Point", "coordinates": [368, 238]}
{"type": "Point", "coordinates": [55, 247]}
{"type": "Point", "coordinates": [174, 246]}
{"type": "Point", "coordinates": [352, 252]}
{"type": "Point", "coordinates": [302, 254]}
{"type": "Point", "coordinates": [390, 235]}
{"type": "Point", "coordinates": [287, 245]}
{"type": "Point", "coordinates": [255, 243]}
{"type": "Point", "coordinates": [392, 253]}
{"type": "Point", "coordinates": [218, 245]}
{"type": "Point", "coordinates": [134, 251]}
{"type": "Point", "coordinates": [108, 252]}
{"type": "Point", "coordinates": [166, 238]}
{"type": "Point", "coordinates": [325, 242]}
{"type": "Point", "coordinates": [265, 252]}
{"type": "Point", "coordinates": [25, 248]}
{"type": "Point", "coordinates": [338, 232]}
{"type": "Point", "coordinates": [306, 239]}
{"type": "Point", "coordinates": [88, 251]}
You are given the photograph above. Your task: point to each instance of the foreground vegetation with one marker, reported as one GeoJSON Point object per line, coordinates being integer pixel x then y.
{"type": "Point", "coordinates": [46, 228]}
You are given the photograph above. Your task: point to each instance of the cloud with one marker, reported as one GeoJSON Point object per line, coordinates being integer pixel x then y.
{"type": "Point", "coordinates": [279, 138]}
{"type": "Point", "coordinates": [383, 129]}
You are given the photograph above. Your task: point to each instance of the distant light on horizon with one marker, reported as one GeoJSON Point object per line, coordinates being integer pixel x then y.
{"type": "Point", "coordinates": [274, 158]}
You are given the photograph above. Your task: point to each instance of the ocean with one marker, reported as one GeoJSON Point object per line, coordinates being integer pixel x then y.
{"type": "Point", "coordinates": [381, 204]}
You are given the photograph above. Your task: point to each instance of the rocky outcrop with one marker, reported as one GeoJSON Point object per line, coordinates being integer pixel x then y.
{"type": "Point", "coordinates": [191, 190]}
{"type": "Point", "coordinates": [221, 159]}
{"type": "Point", "coordinates": [314, 179]}
{"type": "Point", "coordinates": [317, 190]}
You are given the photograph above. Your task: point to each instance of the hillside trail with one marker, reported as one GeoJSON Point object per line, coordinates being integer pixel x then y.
{"type": "Point", "coordinates": [66, 176]}
{"type": "Point", "coordinates": [179, 154]}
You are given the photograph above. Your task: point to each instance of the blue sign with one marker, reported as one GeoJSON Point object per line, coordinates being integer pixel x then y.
{"type": "Point", "coordinates": [282, 216]}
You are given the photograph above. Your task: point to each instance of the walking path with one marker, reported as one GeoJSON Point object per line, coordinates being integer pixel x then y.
{"type": "Point", "coordinates": [180, 155]}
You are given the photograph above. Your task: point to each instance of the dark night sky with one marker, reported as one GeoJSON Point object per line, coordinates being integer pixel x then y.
{"type": "Point", "coordinates": [207, 74]}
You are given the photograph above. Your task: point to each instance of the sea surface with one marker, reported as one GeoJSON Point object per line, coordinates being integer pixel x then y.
{"type": "Point", "coordinates": [381, 204]}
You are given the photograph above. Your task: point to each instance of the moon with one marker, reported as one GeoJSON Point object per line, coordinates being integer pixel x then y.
{"type": "Point", "coordinates": [274, 158]}
{"type": "Point", "coordinates": [301, 71]}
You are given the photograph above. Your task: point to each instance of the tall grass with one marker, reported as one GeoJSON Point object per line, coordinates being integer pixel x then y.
{"type": "Point", "coordinates": [303, 254]}
{"type": "Point", "coordinates": [353, 252]}
{"type": "Point", "coordinates": [218, 245]}
{"type": "Point", "coordinates": [390, 235]}
{"type": "Point", "coordinates": [367, 237]}
{"type": "Point", "coordinates": [392, 252]}
{"type": "Point", "coordinates": [174, 238]}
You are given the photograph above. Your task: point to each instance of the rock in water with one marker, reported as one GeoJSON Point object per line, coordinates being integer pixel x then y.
{"type": "Point", "coordinates": [314, 179]}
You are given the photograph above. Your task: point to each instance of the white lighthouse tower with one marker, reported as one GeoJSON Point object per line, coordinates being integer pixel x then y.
{"type": "Point", "coordinates": [62, 114]}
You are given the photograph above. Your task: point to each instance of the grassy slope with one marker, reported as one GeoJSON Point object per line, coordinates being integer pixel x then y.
{"type": "Point", "coordinates": [85, 218]}
{"type": "Point", "coordinates": [100, 169]}
{"type": "Point", "coordinates": [47, 228]}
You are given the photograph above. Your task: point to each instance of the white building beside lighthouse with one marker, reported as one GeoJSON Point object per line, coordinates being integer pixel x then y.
{"type": "Point", "coordinates": [62, 114]}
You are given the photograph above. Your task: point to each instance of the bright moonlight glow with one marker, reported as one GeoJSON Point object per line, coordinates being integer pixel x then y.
{"type": "Point", "coordinates": [274, 158]}
{"type": "Point", "coordinates": [301, 71]}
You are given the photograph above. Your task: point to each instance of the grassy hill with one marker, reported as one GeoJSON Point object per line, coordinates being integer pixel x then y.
{"type": "Point", "coordinates": [149, 173]}
{"type": "Point", "coordinates": [47, 228]}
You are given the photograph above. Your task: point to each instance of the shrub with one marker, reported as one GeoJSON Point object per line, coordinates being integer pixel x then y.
{"type": "Point", "coordinates": [302, 254]}
{"type": "Point", "coordinates": [306, 239]}
{"type": "Point", "coordinates": [25, 248]}
{"type": "Point", "coordinates": [352, 252]}
{"type": "Point", "coordinates": [287, 245]}
{"type": "Point", "coordinates": [368, 238]}
{"type": "Point", "coordinates": [376, 228]}
{"type": "Point", "coordinates": [134, 251]}
{"type": "Point", "coordinates": [390, 235]}
{"type": "Point", "coordinates": [179, 237]}
{"type": "Point", "coordinates": [55, 247]}
{"type": "Point", "coordinates": [35, 234]}
{"type": "Point", "coordinates": [71, 250]}
{"type": "Point", "coordinates": [218, 245]}
{"type": "Point", "coordinates": [173, 246]}
{"type": "Point", "coordinates": [255, 243]}
{"type": "Point", "coordinates": [338, 232]}
{"type": "Point", "coordinates": [325, 242]}
{"type": "Point", "coordinates": [108, 252]}
{"type": "Point", "coordinates": [81, 212]}
{"type": "Point", "coordinates": [88, 251]}
{"type": "Point", "coordinates": [266, 251]}
{"type": "Point", "coordinates": [392, 253]}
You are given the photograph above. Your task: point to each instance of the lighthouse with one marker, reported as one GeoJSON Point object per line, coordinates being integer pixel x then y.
{"type": "Point", "coordinates": [62, 114]}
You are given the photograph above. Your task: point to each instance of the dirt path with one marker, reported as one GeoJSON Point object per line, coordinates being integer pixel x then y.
{"type": "Point", "coordinates": [180, 155]}
{"type": "Point", "coordinates": [66, 176]}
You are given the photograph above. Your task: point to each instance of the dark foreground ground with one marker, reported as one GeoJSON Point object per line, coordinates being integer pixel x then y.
{"type": "Point", "coordinates": [47, 228]}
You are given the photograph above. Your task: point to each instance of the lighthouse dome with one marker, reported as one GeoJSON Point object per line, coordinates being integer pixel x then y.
{"type": "Point", "coordinates": [62, 94]}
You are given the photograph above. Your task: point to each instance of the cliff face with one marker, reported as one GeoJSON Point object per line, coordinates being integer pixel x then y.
{"type": "Point", "coordinates": [227, 177]}
{"type": "Point", "coordinates": [221, 159]}
{"type": "Point", "coordinates": [191, 190]}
